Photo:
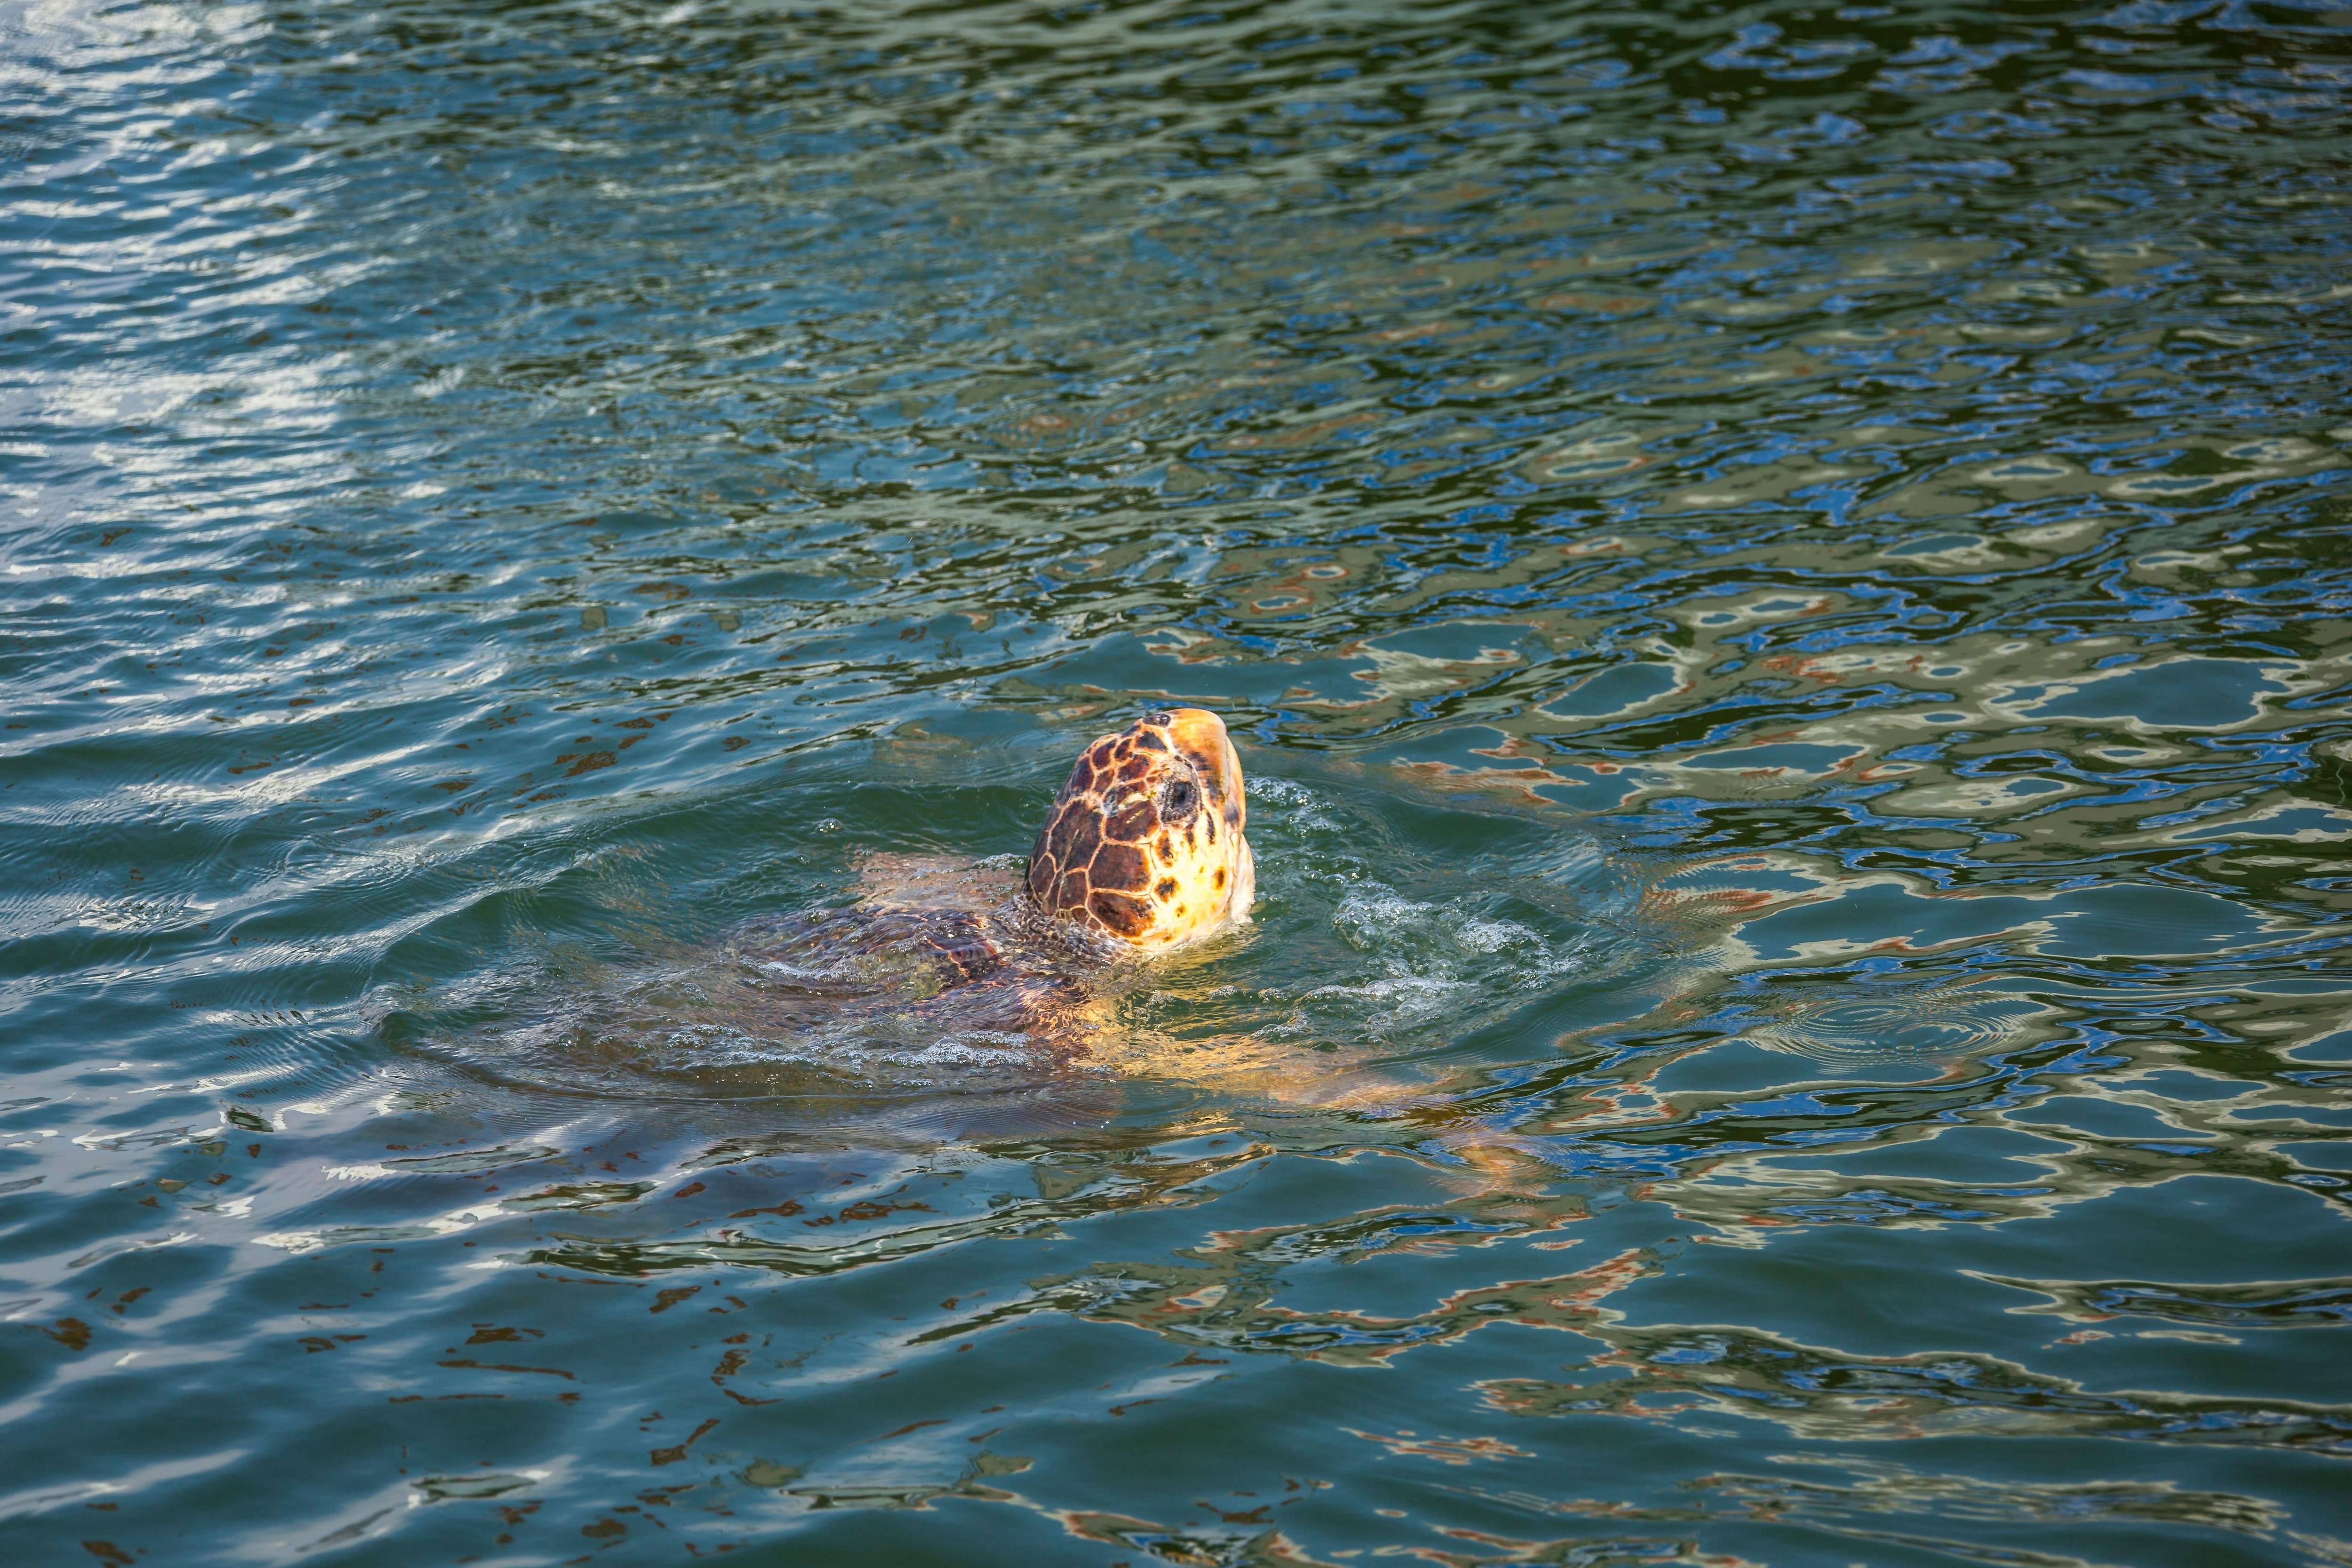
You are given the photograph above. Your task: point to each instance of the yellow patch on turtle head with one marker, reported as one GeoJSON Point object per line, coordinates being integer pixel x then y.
{"type": "Point", "coordinates": [1144, 845]}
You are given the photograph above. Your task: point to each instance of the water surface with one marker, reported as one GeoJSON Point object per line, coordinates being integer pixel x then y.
{"type": "Point", "coordinates": [1781, 574]}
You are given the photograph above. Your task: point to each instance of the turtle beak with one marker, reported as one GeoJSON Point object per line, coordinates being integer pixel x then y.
{"type": "Point", "coordinates": [1200, 736]}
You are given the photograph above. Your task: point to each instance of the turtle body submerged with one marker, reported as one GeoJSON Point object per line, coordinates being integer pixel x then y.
{"type": "Point", "coordinates": [1143, 853]}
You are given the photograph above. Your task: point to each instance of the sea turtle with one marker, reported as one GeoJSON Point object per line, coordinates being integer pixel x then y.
{"type": "Point", "coordinates": [950, 982]}
{"type": "Point", "coordinates": [1142, 853]}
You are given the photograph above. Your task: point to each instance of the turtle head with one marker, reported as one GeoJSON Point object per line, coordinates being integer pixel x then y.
{"type": "Point", "coordinates": [1144, 845]}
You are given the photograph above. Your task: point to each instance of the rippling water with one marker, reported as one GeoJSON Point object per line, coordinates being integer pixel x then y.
{"type": "Point", "coordinates": [1782, 575]}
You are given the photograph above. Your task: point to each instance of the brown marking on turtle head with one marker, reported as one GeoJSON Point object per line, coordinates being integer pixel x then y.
{"type": "Point", "coordinates": [1172, 772]}
{"type": "Point", "coordinates": [1076, 833]}
{"type": "Point", "coordinates": [1132, 822]}
{"type": "Point", "coordinates": [1121, 914]}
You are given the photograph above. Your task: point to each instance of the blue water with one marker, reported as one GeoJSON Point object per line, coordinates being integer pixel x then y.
{"type": "Point", "coordinates": [1780, 576]}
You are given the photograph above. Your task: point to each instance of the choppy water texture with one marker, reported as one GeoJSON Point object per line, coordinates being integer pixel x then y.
{"type": "Point", "coordinates": [1781, 573]}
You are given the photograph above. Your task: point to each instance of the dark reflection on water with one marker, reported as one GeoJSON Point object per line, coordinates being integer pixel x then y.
{"type": "Point", "coordinates": [1781, 574]}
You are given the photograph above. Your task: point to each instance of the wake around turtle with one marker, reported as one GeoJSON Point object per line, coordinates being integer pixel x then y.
{"type": "Point", "coordinates": [1143, 853]}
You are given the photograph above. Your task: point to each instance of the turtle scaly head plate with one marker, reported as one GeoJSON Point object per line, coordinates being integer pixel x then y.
{"type": "Point", "coordinates": [1144, 846]}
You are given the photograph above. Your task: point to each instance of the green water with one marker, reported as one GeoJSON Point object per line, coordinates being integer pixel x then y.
{"type": "Point", "coordinates": [1783, 578]}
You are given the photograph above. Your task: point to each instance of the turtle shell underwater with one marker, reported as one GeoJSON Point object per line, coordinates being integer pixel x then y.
{"type": "Point", "coordinates": [1143, 853]}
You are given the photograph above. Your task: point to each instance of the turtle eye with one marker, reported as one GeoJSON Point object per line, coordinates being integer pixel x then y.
{"type": "Point", "coordinates": [1180, 800]}
{"type": "Point", "coordinates": [1160, 716]}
